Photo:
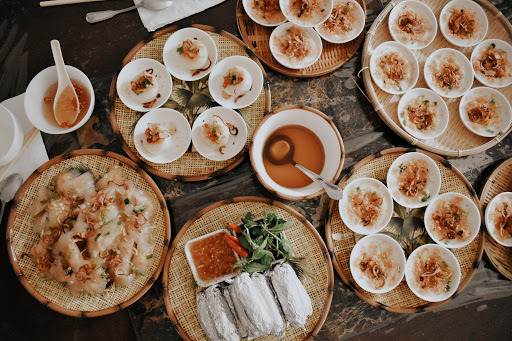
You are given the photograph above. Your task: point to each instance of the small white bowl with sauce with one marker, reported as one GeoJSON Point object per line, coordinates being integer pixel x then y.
{"type": "Point", "coordinates": [39, 99]}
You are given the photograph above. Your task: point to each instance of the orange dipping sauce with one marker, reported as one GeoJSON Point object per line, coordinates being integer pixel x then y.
{"type": "Point", "coordinates": [84, 99]}
{"type": "Point", "coordinates": [212, 257]}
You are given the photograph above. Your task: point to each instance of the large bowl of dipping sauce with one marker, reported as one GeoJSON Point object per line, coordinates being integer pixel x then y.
{"type": "Point", "coordinates": [40, 95]}
{"type": "Point", "coordinates": [318, 147]}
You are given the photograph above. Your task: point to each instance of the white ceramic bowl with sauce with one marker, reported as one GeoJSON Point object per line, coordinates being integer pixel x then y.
{"type": "Point", "coordinates": [11, 136]}
{"type": "Point", "coordinates": [34, 97]}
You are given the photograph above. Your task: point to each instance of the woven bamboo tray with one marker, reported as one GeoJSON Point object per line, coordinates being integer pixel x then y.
{"type": "Point", "coordinates": [191, 166]}
{"type": "Point", "coordinates": [20, 236]}
{"type": "Point", "coordinates": [499, 181]}
{"type": "Point", "coordinates": [257, 37]}
{"type": "Point", "coordinates": [412, 234]}
{"type": "Point", "coordinates": [457, 140]}
{"type": "Point", "coordinates": [180, 288]}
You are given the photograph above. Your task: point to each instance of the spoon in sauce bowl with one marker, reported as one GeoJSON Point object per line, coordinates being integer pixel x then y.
{"type": "Point", "coordinates": [279, 150]}
{"type": "Point", "coordinates": [65, 106]}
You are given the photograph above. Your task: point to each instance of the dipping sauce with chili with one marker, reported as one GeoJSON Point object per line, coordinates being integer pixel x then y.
{"type": "Point", "coordinates": [84, 99]}
{"type": "Point", "coordinates": [211, 256]}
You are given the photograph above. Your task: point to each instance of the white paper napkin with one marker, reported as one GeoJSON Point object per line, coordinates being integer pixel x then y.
{"type": "Point", "coordinates": [35, 153]}
{"type": "Point", "coordinates": [179, 9]}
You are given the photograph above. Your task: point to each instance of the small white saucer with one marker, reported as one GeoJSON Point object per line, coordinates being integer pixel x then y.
{"type": "Point", "coordinates": [498, 44]}
{"type": "Point", "coordinates": [491, 211]}
{"type": "Point", "coordinates": [470, 7]}
{"type": "Point", "coordinates": [217, 78]}
{"type": "Point", "coordinates": [130, 72]}
{"type": "Point", "coordinates": [321, 15]}
{"type": "Point", "coordinates": [180, 140]}
{"type": "Point", "coordinates": [235, 143]}
{"type": "Point", "coordinates": [342, 36]}
{"type": "Point", "coordinates": [257, 16]}
{"type": "Point", "coordinates": [171, 56]}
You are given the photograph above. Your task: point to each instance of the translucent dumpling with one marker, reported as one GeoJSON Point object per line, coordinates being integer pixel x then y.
{"type": "Point", "coordinates": [237, 82]}
{"type": "Point", "coordinates": [144, 88]}
{"type": "Point", "coordinates": [194, 55]}
{"type": "Point", "coordinates": [157, 138]}
{"type": "Point", "coordinates": [216, 132]}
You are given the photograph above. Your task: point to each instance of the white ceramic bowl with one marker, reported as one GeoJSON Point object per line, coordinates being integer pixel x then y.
{"type": "Point", "coordinates": [379, 77]}
{"type": "Point", "coordinates": [235, 143]}
{"type": "Point", "coordinates": [504, 49]}
{"type": "Point", "coordinates": [440, 120]}
{"type": "Point", "coordinates": [36, 91]}
{"type": "Point", "coordinates": [313, 38]}
{"type": "Point", "coordinates": [469, 7]}
{"type": "Point", "coordinates": [503, 109]}
{"type": "Point", "coordinates": [414, 283]}
{"type": "Point", "coordinates": [437, 59]}
{"type": "Point", "coordinates": [317, 17]}
{"type": "Point", "coordinates": [470, 214]}
{"type": "Point", "coordinates": [432, 187]}
{"type": "Point", "coordinates": [321, 126]}
{"type": "Point", "coordinates": [172, 58]}
{"type": "Point", "coordinates": [11, 136]}
{"type": "Point", "coordinates": [494, 209]}
{"type": "Point", "coordinates": [424, 12]}
{"type": "Point", "coordinates": [258, 17]}
{"type": "Point", "coordinates": [342, 36]}
{"type": "Point", "coordinates": [217, 79]}
{"type": "Point", "coordinates": [351, 219]}
{"type": "Point", "coordinates": [378, 246]}
{"type": "Point", "coordinates": [170, 120]}
{"type": "Point", "coordinates": [131, 71]}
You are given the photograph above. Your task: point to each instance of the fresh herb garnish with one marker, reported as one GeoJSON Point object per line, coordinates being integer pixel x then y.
{"type": "Point", "coordinates": [180, 49]}
{"type": "Point", "coordinates": [127, 201]}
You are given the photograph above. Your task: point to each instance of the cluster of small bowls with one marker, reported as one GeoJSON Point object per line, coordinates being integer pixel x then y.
{"type": "Point", "coordinates": [185, 133]}
{"type": "Point", "coordinates": [431, 203]}
{"type": "Point", "coordinates": [311, 29]}
{"type": "Point", "coordinates": [469, 74]}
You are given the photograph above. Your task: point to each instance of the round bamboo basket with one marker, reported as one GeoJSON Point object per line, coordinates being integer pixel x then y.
{"type": "Point", "coordinates": [257, 37]}
{"type": "Point", "coordinates": [457, 140]}
{"type": "Point", "coordinates": [499, 181]}
{"type": "Point", "coordinates": [20, 236]}
{"type": "Point", "coordinates": [180, 288]}
{"type": "Point", "coordinates": [341, 240]}
{"type": "Point", "coordinates": [191, 166]}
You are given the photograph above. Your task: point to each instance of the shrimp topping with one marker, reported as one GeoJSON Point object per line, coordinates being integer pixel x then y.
{"type": "Point", "coordinates": [482, 112]}
{"type": "Point", "coordinates": [411, 23]}
{"type": "Point", "coordinates": [305, 8]}
{"type": "Point", "coordinates": [450, 221]}
{"type": "Point", "coordinates": [295, 44]}
{"type": "Point", "coordinates": [394, 67]}
{"type": "Point", "coordinates": [367, 206]}
{"type": "Point", "coordinates": [503, 221]}
{"type": "Point", "coordinates": [493, 63]}
{"type": "Point", "coordinates": [412, 179]}
{"type": "Point", "coordinates": [462, 23]}
{"type": "Point", "coordinates": [433, 273]}
{"type": "Point", "coordinates": [341, 19]}
{"type": "Point", "coordinates": [422, 114]}
{"type": "Point", "coordinates": [448, 75]}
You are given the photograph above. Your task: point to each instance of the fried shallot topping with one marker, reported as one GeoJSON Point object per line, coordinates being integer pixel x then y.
{"type": "Point", "coordinates": [143, 81]}
{"type": "Point", "coordinates": [268, 9]}
{"type": "Point", "coordinates": [394, 67]}
{"type": "Point", "coordinates": [233, 77]}
{"type": "Point", "coordinates": [433, 273]}
{"type": "Point", "coordinates": [366, 205]}
{"type": "Point", "coordinates": [189, 49]}
{"type": "Point", "coordinates": [411, 23]}
{"type": "Point", "coordinates": [482, 111]}
{"type": "Point", "coordinates": [412, 179]}
{"type": "Point", "coordinates": [449, 75]}
{"type": "Point", "coordinates": [450, 221]}
{"type": "Point", "coordinates": [493, 63]}
{"type": "Point", "coordinates": [371, 268]}
{"type": "Point", "coordinates": [503, 221]}
{"type": "Point", "coordinates": [154, 134]}
{"type": "Point", "coordinates": [305, 8]}
{"type": "Point", "coordinates": [295, 44]}
{"type": "Point", "coordinates": [341, 19]}
{"type": "Point", "coordinates": [422, 114]}
{"type": "Point", "coordinates": [462, 23]}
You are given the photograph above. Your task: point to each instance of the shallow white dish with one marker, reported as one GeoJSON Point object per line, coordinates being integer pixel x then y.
{"type": "Point", "coordinates": [11, 136]}
{"type": "Point", "coordinates": [381, 80]}
{"type": "Point", "coordinates": [424, 12]}
{"type": "Point", "coordinates": [366, 185]}
{"type": "Point", "coordinates": [36, 91]}
{"type": "Point", "coordinates": [235, 143]}
{"type": "Point", "coordinates": [433, 180]}
{"type": "Point", "coordinates": [172, 59]}
{"type": "Point", "coordinates": [505, 50]}
{"type": "Point", "coordinates": [258, 18]}
{"type": "Point", "coordinates": [391, 250]}
{"type": "Point", "coordinates": [312, 37]}
{"type": "Point", "coordinates": [440, 121]}
{"type": "Point", "coordinates": [470, 213]}
{"type": "Point", "coordinates": [168, 119]}
{"type": "Point", "coordinates": [490, 212]}
{"type": "Point", "coordinates": [480, 19]}
{"type": "Point", "coordinates": [320, 126]}
{"type": "Point", "coordinates": [503, 109]}
{"type": "Point", "coordinates": [217, 78]}
{"type": "Point", "coordinates": [309, 20]}
{"type": "Point", "coordinates": [437, 59]}
{"type": "Point", "coordinates": [131, 71]}
{"type": "Point", "coordinates": [343, 36]}
{"type": "Point", "coordinates": [447, 257]}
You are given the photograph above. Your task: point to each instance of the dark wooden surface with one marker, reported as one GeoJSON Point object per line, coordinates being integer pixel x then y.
{"type": "Point", "coordinates": [483, 310]}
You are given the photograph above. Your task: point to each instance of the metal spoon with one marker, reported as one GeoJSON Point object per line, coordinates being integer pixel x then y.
{"type": "Point", "coordinates": [8, 190]}
{"type": "Point", "coordinates": [154, 5]}
{"type": "Point", "coordinates": [279, 150]}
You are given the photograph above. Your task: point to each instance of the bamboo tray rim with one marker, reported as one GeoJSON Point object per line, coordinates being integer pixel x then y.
{"type": "Point", "coordinates": [387, 118]}
{"type": "Point", "coordinates": [397, 309]}
{"type": "Point", "coordinates": [293, 212]}
{"type": "Point", "coordinates": [113, 93]}
{"type": "Point", "coordinates": [10, 225]}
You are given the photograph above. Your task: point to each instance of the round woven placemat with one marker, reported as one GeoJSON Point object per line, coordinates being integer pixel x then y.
{"type": "Point", "coordinates": [180, 288]}
{"type": "Point", "coordinates": [341, 240]}
{"type": "Point", "coordinates": [20, 236]}
{"type": "Point", "coordinates": [191, 166]}
{"type": "Point", "coordinates": [257, 38]}
{"type": "Point", "coordinates": [499, 181]}
{"type": "Point", "coordinates": [457, 140]}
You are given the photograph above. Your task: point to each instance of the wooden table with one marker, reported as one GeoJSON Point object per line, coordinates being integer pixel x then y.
{"type": "Point", "coordinates": [484, 309]}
